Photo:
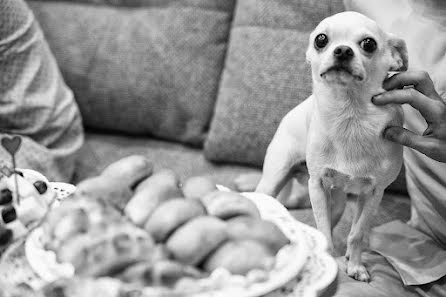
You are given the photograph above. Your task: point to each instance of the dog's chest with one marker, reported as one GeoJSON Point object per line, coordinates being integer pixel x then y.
{"type": "Point", "coordinates": [353, 138]}
{"type": "Point", "coordinates": [354, 146]}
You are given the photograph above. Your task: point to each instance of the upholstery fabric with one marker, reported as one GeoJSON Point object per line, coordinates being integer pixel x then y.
{"type": "Point", "coordinates": [218, 5]}
{"type": "Point", "coordinates": [265, 75]}
{"type": "Point", "coordinates": [34, 100]}
{"type": "Point", "coordinates": [102, 149]}
{"type": "Point", "coordinates": [153, 70]}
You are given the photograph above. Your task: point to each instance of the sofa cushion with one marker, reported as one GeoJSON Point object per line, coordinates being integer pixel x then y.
{"type": "Point", "coordinates": [152, 70]}
{"type": "Point", "coordinates": [265, 75]}
{"type": "Point", "coordinates": [224, 5]}
{"type": "Point", "coordinates": [102, 149]}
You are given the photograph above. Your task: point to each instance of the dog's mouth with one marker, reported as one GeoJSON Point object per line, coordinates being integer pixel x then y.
{"type": "Point", "coordinates": [341, 69]}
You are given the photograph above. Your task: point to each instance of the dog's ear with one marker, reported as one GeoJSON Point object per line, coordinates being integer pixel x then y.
{"type": "Point", "coordinates": [398, 49]}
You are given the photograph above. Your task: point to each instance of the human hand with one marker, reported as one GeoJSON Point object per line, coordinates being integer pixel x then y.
{"type": "Point", "coordinates": [423, 97]}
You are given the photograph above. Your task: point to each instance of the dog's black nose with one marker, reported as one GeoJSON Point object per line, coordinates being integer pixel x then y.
{"type": "Point", "coordinates": [343, 53]}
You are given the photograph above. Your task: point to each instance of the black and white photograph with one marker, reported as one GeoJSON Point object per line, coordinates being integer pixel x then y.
{"type": "Point", "coordinates": [222, 148]}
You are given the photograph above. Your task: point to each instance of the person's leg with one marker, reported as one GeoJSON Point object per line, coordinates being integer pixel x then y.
{"type": "Point", "coordinates": [35, 103]}
{"type": "Point", "coordinates": [384, 280]}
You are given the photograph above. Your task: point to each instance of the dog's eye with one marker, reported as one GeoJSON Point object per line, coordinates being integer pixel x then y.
{"type": "Point", "coordinates": [321, 41]}
{"type": "Point", "coordinates": [369, 45]}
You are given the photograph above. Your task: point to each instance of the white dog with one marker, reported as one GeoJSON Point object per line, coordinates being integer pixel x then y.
{"type": "Point", "coordinates": [338, 130]}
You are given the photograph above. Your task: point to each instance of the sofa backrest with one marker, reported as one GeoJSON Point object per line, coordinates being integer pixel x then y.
{"type": "Point", "coordinates": [149, 69]}
{"type": "Point", "coordinates": [265, 75]}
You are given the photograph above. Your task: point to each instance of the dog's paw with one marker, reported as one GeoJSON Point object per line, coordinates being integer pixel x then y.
{"type": "Point", "coordinates": [358, 272]}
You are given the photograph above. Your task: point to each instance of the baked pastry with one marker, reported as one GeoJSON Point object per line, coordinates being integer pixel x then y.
{"type": "Point", "coordinates": [159, 273]}
{"type": "Point", "coordinates": [225, 205]}
{"type": "Point", "coordinates": [117, 182]}
{"type": "Point", "coordinates": [266, 232]}
{"type": "Point", "coordinates": [198, 186]}
{"type": "Point", "coordinates": [95, 237]}
{"type": "Point", "coordinates": [240, 257]}
{"type": "Point", "coordinates": [182, 238]}
{"type": "Point", "coordinates": [102, 252]}
{"type": "Point", "coordinates": [172, 214]}
{"type": "Point", "coordinates": [193, 241]}
{"type": "Point", "coordinates": [150, 193]}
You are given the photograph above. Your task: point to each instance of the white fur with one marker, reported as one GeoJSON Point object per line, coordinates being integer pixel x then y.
{"type": "Point", "coordinates": [338, 131]}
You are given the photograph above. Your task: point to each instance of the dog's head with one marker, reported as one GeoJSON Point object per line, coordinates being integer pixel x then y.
{"type": "Point", "coordinates": [349, 48]}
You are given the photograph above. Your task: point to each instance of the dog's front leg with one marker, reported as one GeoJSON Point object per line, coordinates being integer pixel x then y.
{"type": "Point", "coordinates": [321, 209]}
{"type": "Point", "coordinates": [367, 206]}
{"type": "Point", "coordinates": [281, 158]}
{"type": "Point", "coordinates": [286, 150]}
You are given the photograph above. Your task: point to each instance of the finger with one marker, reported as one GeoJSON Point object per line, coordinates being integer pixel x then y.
{"type": "Point", "coordinates": [427, 107]}
{"type": "Point", "coordinates": [419, 79]}
{"type": "Point", "coordinates": [426, 145]}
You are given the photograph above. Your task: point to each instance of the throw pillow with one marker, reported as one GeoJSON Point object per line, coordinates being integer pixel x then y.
{"type": "Point", "coordinates": [152, 70]}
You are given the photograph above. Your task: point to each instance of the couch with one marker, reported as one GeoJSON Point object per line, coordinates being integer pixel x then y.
{"type": "Point", "coordinates": [198, 86]}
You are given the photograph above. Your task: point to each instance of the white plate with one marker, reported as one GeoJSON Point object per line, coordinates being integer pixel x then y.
{"type": "Point", "coordinates": [308, 247]}
{"type": "Point", "coordinates": [317, 274]}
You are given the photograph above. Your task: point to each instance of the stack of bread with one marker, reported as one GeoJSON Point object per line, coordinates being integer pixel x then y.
{"type": "Point", "coordinates": [159, 231]}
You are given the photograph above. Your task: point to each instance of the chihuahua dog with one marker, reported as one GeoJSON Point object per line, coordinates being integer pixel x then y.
{"type": "Point", "coordinates": [337, 132]}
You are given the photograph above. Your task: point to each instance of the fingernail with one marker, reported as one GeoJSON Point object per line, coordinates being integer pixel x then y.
{"type": "Point", "coordinates": [9, 214]}
{"type": "Point", "coordinates": [375, 97]}
{"type": "Point", "coordinates": [5, 236]}
{"type": "Point", "coordinates": [5, 196]}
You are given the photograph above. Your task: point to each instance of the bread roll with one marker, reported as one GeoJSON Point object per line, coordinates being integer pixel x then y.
{"type": "Point", "coordinates": [244, 227]}
{"type": "Point", "coordinates": [101, 252]}
{"type": "Point", "coordinates": [160, 273]}
{"type": "Point", "coordinates": [117, 181]}
{"type": "Point", "coordinates": [172, 214]}
{"type": "Point", "coordinates": [197, 187]}
{"type": "Point", "coordinates": [240, 257]}
{"type": "Point", "coordinates": [225, 205]}
{"type": "Point", "coordinates": [190, 243]}
{"type": "Point", "coordinates": [150, 193]}
{"type": "Point", "coordinates": [129, 170]}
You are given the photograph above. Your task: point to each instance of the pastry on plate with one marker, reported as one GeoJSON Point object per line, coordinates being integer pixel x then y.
{"type": "Point", "coordinates": [94, 237]}
{"type": "Point", "coordinates": [164, 236]}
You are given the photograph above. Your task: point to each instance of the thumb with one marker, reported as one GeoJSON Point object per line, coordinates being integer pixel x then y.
{"type": "Point", "coordinates": [406, 138]}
